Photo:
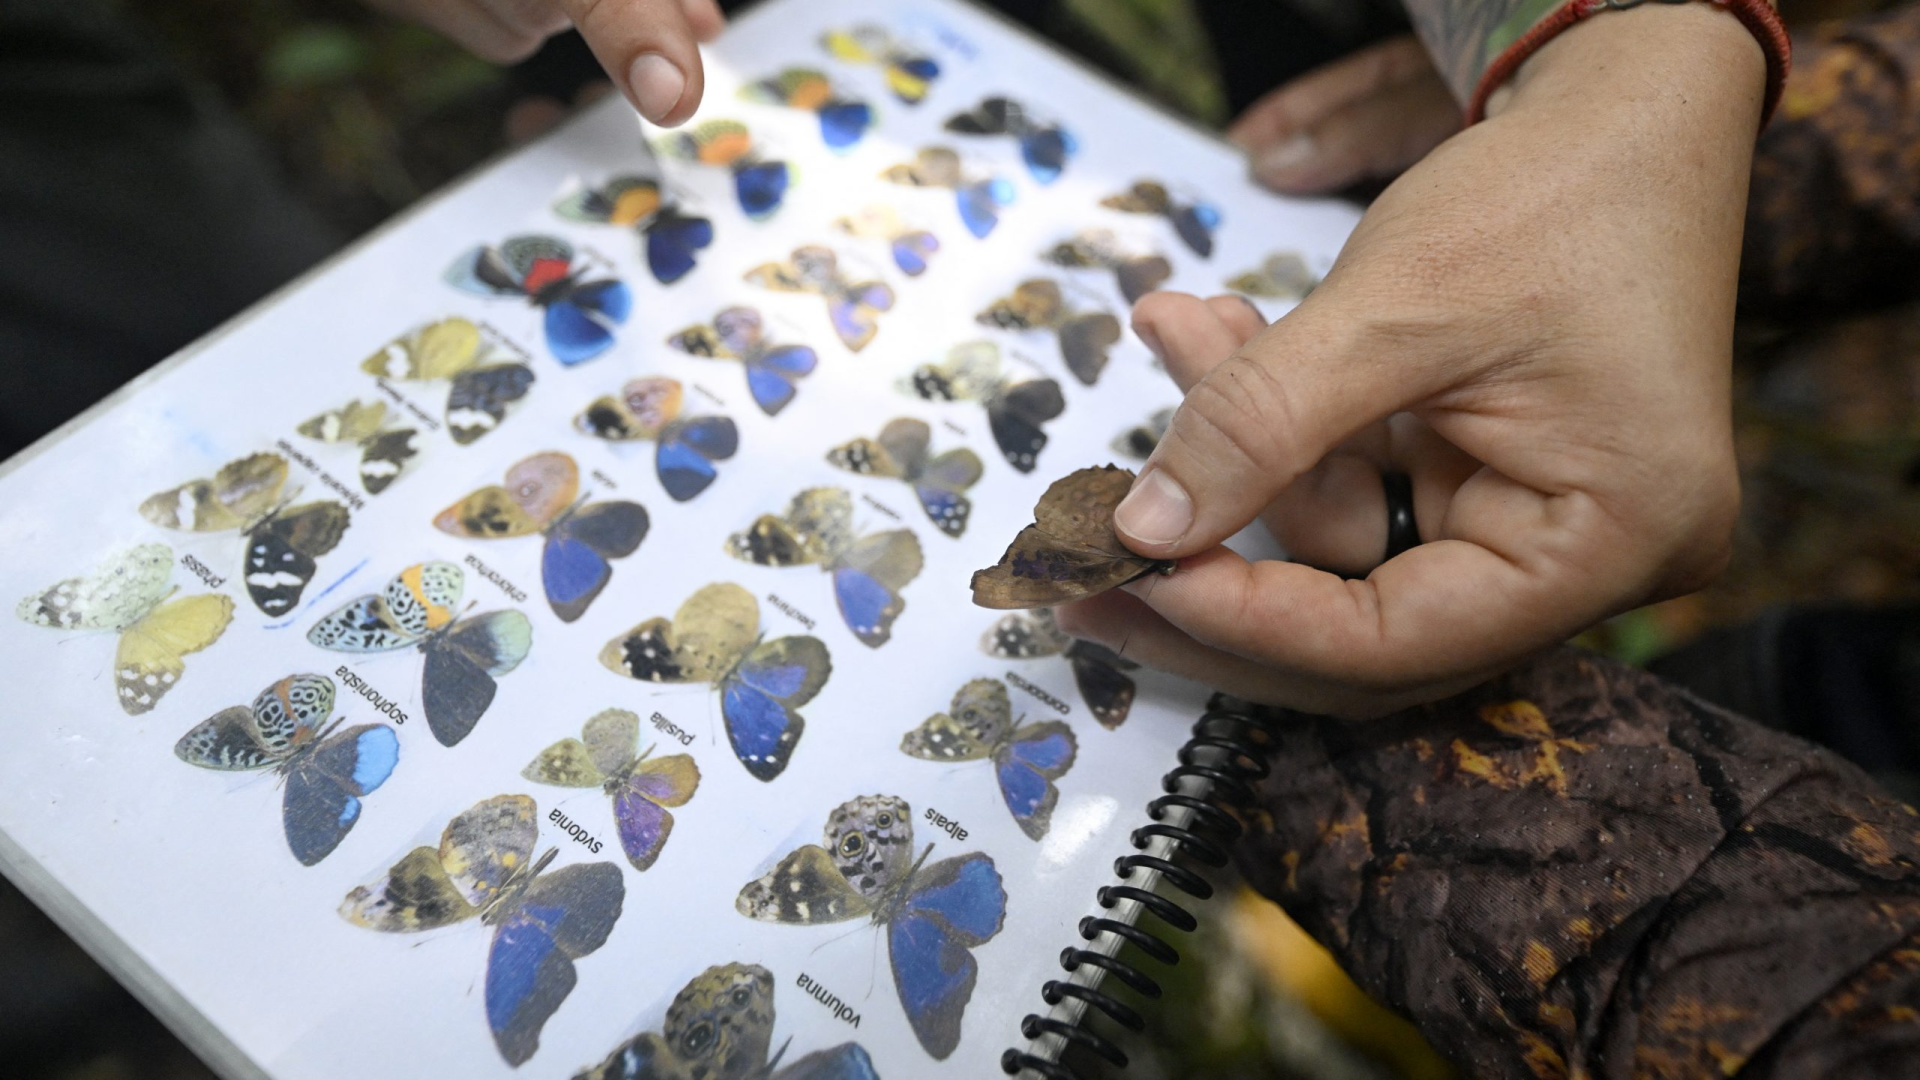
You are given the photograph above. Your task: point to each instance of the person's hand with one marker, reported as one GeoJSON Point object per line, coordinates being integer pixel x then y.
{"type": "Point", "coordinates": [649, 47]}
{"type": "Point", "coordinates": [1368, 116]}
{"type": "Point", "coordinates": [1535, 323]}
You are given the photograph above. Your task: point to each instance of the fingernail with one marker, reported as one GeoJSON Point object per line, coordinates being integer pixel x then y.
{"type": "Point", "coordinates": [1253, 307]}
{"type": "Point", "coordinates": [656, 84]}
{"type": "Point", "coordinates": [1156, 511]}
{"type": "Point", "coordinates": [1284, 157]}
{"type": "Point", "coordinates": [1152, 341]}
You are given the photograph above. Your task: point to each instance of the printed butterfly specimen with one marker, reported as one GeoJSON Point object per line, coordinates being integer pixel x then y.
{"type": "Point", "coordinates": [128, 594]}
{"type": "Point", "coordinates": [720, 1027]}
{"type": "Point", "coordinates": [1015, 410]}
{"type": "Point", "coordinates": [1137, 442]}
{"type": "Point", "coordinates": [542, 495]}
{"type": "Point", "coordinates": [1099, 672]}
{"type": "Point", "coordinates": [1137, 275]}
{"type": "Point", "coordinates": [384, 451]}
{"type": "Point", "coordinates": [1044, 147]}
{"type": "Point", "coordinates": [670, 235]}
{"type": "Point", "coordinates": [580, 314]}
{"type": "Point", "coordinates": [641, 786]}
{"type": "Point", "coordinates": [903, 452]}
{"type": "Point", "coordinates": [463, 657]}
{"type": "Point", "coordinates": [759, 185]}
{"type": "Point", "coordinates": [978, 200]}
{"type": "Point", "coordinates": [454, 349]}
{"type": "Point", "coordinates": [853, 307]}
{"type": "Point", "coordinates": [909, 73]}
{"type": "Point", "coordinates": [1195, 222]}
{"type": "Point", "coordinates": [933, 914]}
{"type": "Point", "coordinates": [979, 726]}
{"type": "Point", "coordinates": [1085, 336]}
{"type": "Point", "coordinates": [685, 447]}
{"type": "Point", "coordinates": [284, 543]}
{"type": "Point", "coordinates": [1283, 276]}
{"type": "Point", "coordinates": [715, 638]}
{"type": "Point", "coordinates": [868, 571]}
{"type": "Point", "coordinates": [910, 247]}
{"type": "Point", "coordinates": [1070, 551]}
{"type": "Point", "coordinates": [739, 334]}
{"type": "Point", "coordinates": [843, 120]}
{"type": "Point", "coordinates": [542, 922]}
{"type": "Point", "coordinates": [325, 771]}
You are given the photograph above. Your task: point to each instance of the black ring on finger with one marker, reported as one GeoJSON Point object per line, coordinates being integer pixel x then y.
{"type": "Point", "coordinates": [1403, 532]}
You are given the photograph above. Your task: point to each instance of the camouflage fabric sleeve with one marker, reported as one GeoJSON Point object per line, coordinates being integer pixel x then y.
{"type": "Point", "coordinates": [1578, 871]}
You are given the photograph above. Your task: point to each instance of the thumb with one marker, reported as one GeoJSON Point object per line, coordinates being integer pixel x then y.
{"type": "Point", "coordinates": [1257, 422]}
{"type": "Point", "coordinates": [648, 47]}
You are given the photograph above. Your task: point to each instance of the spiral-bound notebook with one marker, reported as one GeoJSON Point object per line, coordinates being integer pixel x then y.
{"type": "Point", "coordinates": [538, 642]}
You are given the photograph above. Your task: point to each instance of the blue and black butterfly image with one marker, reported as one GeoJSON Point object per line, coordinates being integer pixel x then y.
{"type": "Point", "coordinates": [671, 236]}
{"type": "Point", "coordinates": [843, 120]}
{"type": "Point", "coordinates": [738, 334]}
{"type": "Point", "coordinates": [854, 307]}
{"type": "Point", "coordinates": [715, 638]}
{"type": "Point", "coordinates": [1099, 672]}
{"type": "Point", "coordinates": [1026, 759]}
{"type": "Point", "coordinates": [903, 452]}
{"type": "Point", "coordinates": [1016, 410]}
{"type": "Point", "coordinates": [582, 537]}
{"type": "Point", "coordinates": [720, 1027]}
{"type": "Point", "coordinates": [934, 914]}
{"type": "Point", "coordinates": [910, 247]}
{"type": "Point", "coordinates": [325, 771]}
{"type": "Point", "coordinates": [685, 447]}
{"type": "Point", "coordinates": [868, 571]}
{"type": "Point", "coordinates": [1044, 147]}
{"type": "Point", "coordinates": [979, 201]}
{"type": "Point", "coordinates": [759, 185]}
{"type": "Point", "coordinates": [1194, 222]}
{"type": "Point", "coordinates": [580, 315]}
{"type": "Point", "coordinates": [909, 72]}
{"type": "Point", "coordinates": [542, 922]}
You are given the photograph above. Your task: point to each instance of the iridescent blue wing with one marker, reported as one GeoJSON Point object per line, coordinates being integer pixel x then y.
{"type": "Point", "coordinates": [1195, 225]}
{"type": "Point", "coordinates": [323, 789]}
{"type": "Point", "coordinates": [867, 581]}
{"type": "Point", "coordinates": [848, 1061]}
{"type": "Point", "coordinates": [574, 563]}
{"type": "Point", "coordinates": [856, 313]}
{"type": "Point", "coordinates": [1027, 766]}
{"type": "Point", "coordinates": [1046, 150]}
{"type": "Point", "coordinates": [759, 701]}
{"type": "Point", "coordinates": [771, 375]}
{"type": "Point", "coordinates": [686, 452]}
{"type": "Point", "coordinates": [980, 203]}
{"type": "Point", "coordinates": [562, 916]}
{"type": "Point", "coordinates": [956, 904]}
{"type": "Point", "coordinates": [843, 123]}
{"type": "Point", "coordinates": [672, 240]}
{"type": "Point", "coordinates": [761, 187]}
{"type": "Point", "coordinates": [911, 251]}
{"type": "Point", "coordinates": [580, 324]}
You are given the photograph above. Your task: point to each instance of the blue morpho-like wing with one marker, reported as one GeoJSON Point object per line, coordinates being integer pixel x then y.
{"type": "Point", "coordinates": [574, 563]}
{"type": "Point", "coordinates": [1026, 769]}
{"type": "Point", "coordinates": [843, 123]}
{"type": "Point", "coordinates": [980, 203]}
{"type": "Point", "coordinates": [323, 788]}
{"type": "Point", "coordinates": [853, 315]}
{"type": "Point", "coordinates": [770, 375]}
{"type": "Point", "coordinates": [1195, 225]}
{"type": "Point", "coordinates": [920, 67]}
{"type": "Point", "coordinates": [672, 240]}
{"type": "Point", "coordinates": [761, 187]}
{"type": "Point", "coordinates": [1046, 151]}
{"type": "Point", "coordinates": [848, 1061]}
{"type": "Point", "coordinates": [686, 451]}
{"type": "Point", "coordinates": [867, 606]}
{"type": "Point", "coordinates": [562, 916]}
{"type": "Point", "coordinates": [910, 251]}
{"type": "Point", "coordinates": [955, 905]}
{"type": "Point", "coordinates": [580, 324]}
{"type": "Point", "coordinates": [753, 701]}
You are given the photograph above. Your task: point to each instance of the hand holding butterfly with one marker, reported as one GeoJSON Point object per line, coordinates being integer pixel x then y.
{"type": "Point", "coordinates": [650, 48]}
{"type": "Point", "coordinates": [1535, 324]}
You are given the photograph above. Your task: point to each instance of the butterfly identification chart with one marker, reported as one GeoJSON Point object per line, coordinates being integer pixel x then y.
{"type": "Point", "coordinates": [539, 642]}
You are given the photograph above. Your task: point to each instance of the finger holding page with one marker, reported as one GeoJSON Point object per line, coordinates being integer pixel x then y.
{"type": "Point", "coordinates": [649, 47]}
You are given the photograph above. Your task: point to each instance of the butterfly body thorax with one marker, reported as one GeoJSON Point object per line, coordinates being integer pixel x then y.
{"type": "Point", "coordinates": [507, 898]}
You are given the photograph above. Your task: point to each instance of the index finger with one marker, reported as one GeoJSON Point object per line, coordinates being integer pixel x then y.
{"type": "Point", "coordinates": [648, 49]}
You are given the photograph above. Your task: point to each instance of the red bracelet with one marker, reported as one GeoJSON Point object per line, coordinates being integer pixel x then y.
{"type": "Point", "coordinates": [1757, 16]}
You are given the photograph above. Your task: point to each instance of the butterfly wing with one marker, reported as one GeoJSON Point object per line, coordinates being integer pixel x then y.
{"type": "Point", "coordinates": [844, 123]}
{"type": "Point", "coordinates": [384, 455]}
{"type": "Point", "coordinates": [418, 600]}
{"type": "Point", "coordinates": [438, 350]}
{"type": "Point", "coordinates": [867, 581]}
{"type": "Point", "coordinates": [706, 638]}
{"type": "Point", "coordinates": [760, 188]}
{"type": "Point", "coordinates": [350, 423]}
{"type": "Point", "coordinates": [956, 905]}
{"type": "Point", "coordinates": [485, 271]}
{"type": "Point", "coordinates": [855, 313]}
{"type": "Point", "coordinates": [120, 590]}
{"type": "Point", "coordinates": [282, 719]}
{"type": "Point", "coordinates": [457, 680]}
{"type": "Point", "coordinates": [993, 116]}
{"type": "Point", "coordinates": [1024, 635]}
{"type": "Point", "coordinates": [1139, 276]}
{"type": "Point", "coordinates": [1046, 150]}
{"type": "Point", "coordinates": [322, 800]}
{"type": "Point", "coordinates": [911, 250]}
{"type": "Point", "coordinates": [904, 442]}
{"type": "Point", "coordinates": [771, 374]}
{"type": "Point", "coordinates": [978, 718]}
{"type": "Point", "coordinates": [610, 738]}
{"type": "Point", "coordinates": [639, 807]}
{"type": "Point", "coordinates": [240, 493]}
{"type": "Point", "coordinates": [1015, 416]}
{"type": "Point", "coordinates": [684, 456]}
{"type": "Point", "coordinates": [415, 895]}
{"type": "Point", "coordinates": [1026, 767]}
{"type": "Point", "coordinates": [761, 699]}
{"type": "Point", "coordinates": [151, 656]}
{"type": "Point", "coordinates": [979, 204]}
{"type": "Point", "coordinates": [574, 564]}
{"type": "Point", "coordinates": [580, 326]}
{"type": "Point", "coordinates": [806, 887]}
{"type": "Point", "coordinates": [485, 845]}
{"type": "Point", "coordinates": [848, 1061]}
{"type": "Point", "coordinates": [672, 239]}
{"type": "Point", "coordinates": [1195, 225]}
{"type": "Point", "coordinates": [567, 763]}
{"type": "Point", "coordinates": [282, 553]}
{"type": "Point", "coordinates": [1084, 341]}
{"type": "Point", "coordinates": [478, 399]}
{"type": "Point", "coordinates": [941, 489]}
{"type": "Point", "coordinates": [564, 915]}
{"type": "Point", "coordinates": [1105, 686]}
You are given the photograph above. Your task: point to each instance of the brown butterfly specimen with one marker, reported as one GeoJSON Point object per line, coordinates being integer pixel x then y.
{"type": "Point", "coordinates": [1070, 551]}
{"type": "Point", "coordinates": [1136, 274]}
{"type": "Point", "coordinates": [1085, 336]}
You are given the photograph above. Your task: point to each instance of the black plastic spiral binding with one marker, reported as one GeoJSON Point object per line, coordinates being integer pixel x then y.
{"type": "Point", "coordinates": [1228, 752]}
